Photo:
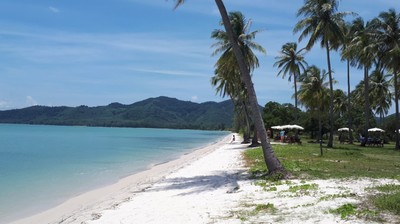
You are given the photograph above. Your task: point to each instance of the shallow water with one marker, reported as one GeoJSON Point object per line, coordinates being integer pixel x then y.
{"type": "Point", "coordinates": [41, 166]}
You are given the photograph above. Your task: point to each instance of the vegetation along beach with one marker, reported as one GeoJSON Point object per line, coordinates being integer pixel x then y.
{"type": "Point", "coordinates": [199, 112]}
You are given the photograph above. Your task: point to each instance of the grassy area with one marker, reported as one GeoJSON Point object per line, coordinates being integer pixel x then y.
{"type": "Point", "coordinates": [344, 160]}
{"type": "Point", "coordinates": [388, 198]}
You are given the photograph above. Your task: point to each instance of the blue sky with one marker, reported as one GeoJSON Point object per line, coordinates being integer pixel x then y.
{"type": "Point", "coordinates": [94, 52]}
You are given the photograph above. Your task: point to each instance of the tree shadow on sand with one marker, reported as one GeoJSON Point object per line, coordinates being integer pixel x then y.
{"type": "Point", "coordinates": [199, 184]}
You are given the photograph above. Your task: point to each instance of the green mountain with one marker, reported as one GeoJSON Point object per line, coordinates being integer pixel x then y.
{"type": "Point", "coordinates": [160, 112]}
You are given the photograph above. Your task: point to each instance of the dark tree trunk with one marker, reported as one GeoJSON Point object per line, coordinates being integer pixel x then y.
{"type": "Point", "coordinates": [330, 140]}
{"type": "Point", "coordinates": [246, 137]}
{"type": "Point", "coordinates": [396, 101]}
{"type": "Point", "coordinates": [295, 99]}
{"type": "Point", "coordinates": [320, 133]}
{"type": "Point", "coordinates": [254, 140]}
{"type": "Point", "coordinates": [350, 124]}
{"type": "Point", "coordinates": [366, 105]}
{"type": "Point", "coordinates": [296, 116]}
{"type": "Point", "coordinates": [272, 162]}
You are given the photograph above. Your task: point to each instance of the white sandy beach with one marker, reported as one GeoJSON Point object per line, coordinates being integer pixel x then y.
{"type": "Point", "coordinates": [210, 185]}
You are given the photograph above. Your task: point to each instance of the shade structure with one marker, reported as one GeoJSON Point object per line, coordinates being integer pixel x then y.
{"type": "Point", "coordinates": [376, 130]}
{"type": "Point", "coordinates": [277, 127]}
{"type": "Point", "coordinates": [343, 129]}
{"type": "Point", "coordinates": [292, 126]}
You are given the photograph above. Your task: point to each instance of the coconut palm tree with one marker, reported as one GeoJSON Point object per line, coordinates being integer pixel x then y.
{"type": "Point", "coordinates": [362, 52]}
{"type": "Point", "coordinates": [227, 74]}
{"type": "Point", "coordinates": [313, 94]}
{"type": "Point", "coordinates": [272, 162]}
{"type": "Point", "coordinates": [348, 36]}
{"type": "Point", "coordinates": [339, 102]}
{"type": "Point", "coordinates": [321, 22]}
{"type": "Point", "coordinates": [380, 92]}
{"type": "Point", "coordinates": [291, 62]}
{"type": "Point", "coordinates": [388, 35]}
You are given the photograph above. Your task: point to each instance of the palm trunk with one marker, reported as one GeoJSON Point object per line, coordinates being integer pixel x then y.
{"type": "Point", "coordinates": [350, 124]}
{"type": "Point", "coordinates": [254, 140]}
{"type": "Point", "coordinates": [330, 141]}
{"type": "Point", "coordinates": [366, 105]}
{"type": "Point", "coordinates": [396, 101]}
{"type": "Point", "coordinates": [320, 132]}
{"type": "Point", "coordinates": [272, 162]}
{"type": "Point", "coordinates": [296, 118]}
{"type": "Point", "coordinates": [246, 138]}
{"type": "Point", "coordinates": [295, 98]}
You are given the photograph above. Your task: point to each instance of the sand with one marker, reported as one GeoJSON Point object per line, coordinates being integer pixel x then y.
{"type": "Point", "coordinates": [211, 185]}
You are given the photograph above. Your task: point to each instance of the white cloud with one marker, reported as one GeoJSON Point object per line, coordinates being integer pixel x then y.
{"type": "Point", "coordinates": [30, 101]}
{"type": "Point", "coordinates": [194, 99]}
{"type": "Point", "coordinates": [170, 72]}
{"type": "Point", "coordinates": [53, 9]}
{"type": "Point", "coordinates": [4, 104]}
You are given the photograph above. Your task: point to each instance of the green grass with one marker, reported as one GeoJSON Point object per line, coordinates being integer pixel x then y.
{"type": "Point", "coordinates": [304, 188]}
{"type": "Point", "coordinates": [344, 160]}
{"type": "Point", "coordinates": [388, 199]}
{"type": "Point", "coordinates": [258, 208]}
{"type": "Point", "coordinates": [345, 210]}
{"type": "Point", "coordinates": [264, 208]}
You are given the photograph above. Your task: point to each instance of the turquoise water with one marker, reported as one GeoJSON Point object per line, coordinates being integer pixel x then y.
{"type": "Point", "coordinates": [41, 166]}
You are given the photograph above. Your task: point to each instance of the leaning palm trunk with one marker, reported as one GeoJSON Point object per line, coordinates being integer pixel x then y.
{"type": "Point", "coordinates": [330, 141]}
{"type": "Point", "coordinates": [272, 162]}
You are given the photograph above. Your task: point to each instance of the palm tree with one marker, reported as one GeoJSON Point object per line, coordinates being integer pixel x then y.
{"type": "Point", "coordinates": [381, 95]}
{"type": "Point", "coordinates": [388, 29]}
{"type": "Point", "coordinates": [362, 52]}
{"type": "Point", "coordinates": [313, 94]}
{"type": "Point", "coordinates": [291, 61]}
{"type": "Point", "coordinates": [227, 74]}
{"type": "Point", "coordinates": [348, 36]}
{"type": "Point", "coordinates": [272, 162]}
{"type": "Point", "coordinates": [339, 102]}
{"type": "Point", "coordinates": [322, 23]}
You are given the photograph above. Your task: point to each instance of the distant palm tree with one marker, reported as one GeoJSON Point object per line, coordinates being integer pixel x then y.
{"type": "Point", "coordinates": [322, 23]}
{"type": "Point", "coordinates": [272, 162]}
{"type": "Point", "coordinates": [362, 52]}
{"type": "Point", "coordinates": [348, 36]}
{"type": "Point", "coordinates": [380, 91]}
{"type": "Point", "coordinates": [388, 27]}
{"type": "Point", "coordinates": [313, 94]}
{"type": "Point", "coordinates": [291, 62]}
{"type": "Point", "coordinates": [339, 102]}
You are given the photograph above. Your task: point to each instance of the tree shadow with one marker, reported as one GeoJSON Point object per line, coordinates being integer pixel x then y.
{"type": "Point", "coordinates": [199, 184]}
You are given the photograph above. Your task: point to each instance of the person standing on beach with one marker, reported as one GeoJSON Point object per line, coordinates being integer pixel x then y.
{"type": "Point", "coordinates": [233, 138]}
{"type": "Point", "coordinates": [282, 135]}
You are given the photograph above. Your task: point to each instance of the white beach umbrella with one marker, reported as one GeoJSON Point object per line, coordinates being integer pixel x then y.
{"type": "Point", "coordinates": [375, 130]}
{"type": "Point", "coordinates": [277, 127]}
{"type": "Point", "coordinates": [343, 129]}
{"type": "Point", "coordinates": [292, 126]}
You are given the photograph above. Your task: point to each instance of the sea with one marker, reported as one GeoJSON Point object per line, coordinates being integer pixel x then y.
{"type": "Point", "coordinates": [41, 166]}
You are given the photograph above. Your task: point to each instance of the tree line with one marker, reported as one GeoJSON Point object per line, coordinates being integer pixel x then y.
{"type": "Point", "coordinates": [373, 46]}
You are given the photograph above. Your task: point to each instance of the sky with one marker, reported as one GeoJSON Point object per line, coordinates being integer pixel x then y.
{"type": "Point", "coordinates": [95, 52]}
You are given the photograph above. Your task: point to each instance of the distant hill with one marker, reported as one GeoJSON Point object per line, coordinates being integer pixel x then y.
{"type": "Point", "coordinates": [160, 112]}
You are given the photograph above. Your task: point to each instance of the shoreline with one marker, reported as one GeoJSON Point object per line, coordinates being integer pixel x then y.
{"type": "Point", "coordinates": [212, 185]}
{"type": "Point", "coordinates": [81, 207]}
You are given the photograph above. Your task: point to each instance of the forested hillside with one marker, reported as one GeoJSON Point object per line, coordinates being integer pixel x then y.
{"type": "Point", "coordinates": [160, 112]}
